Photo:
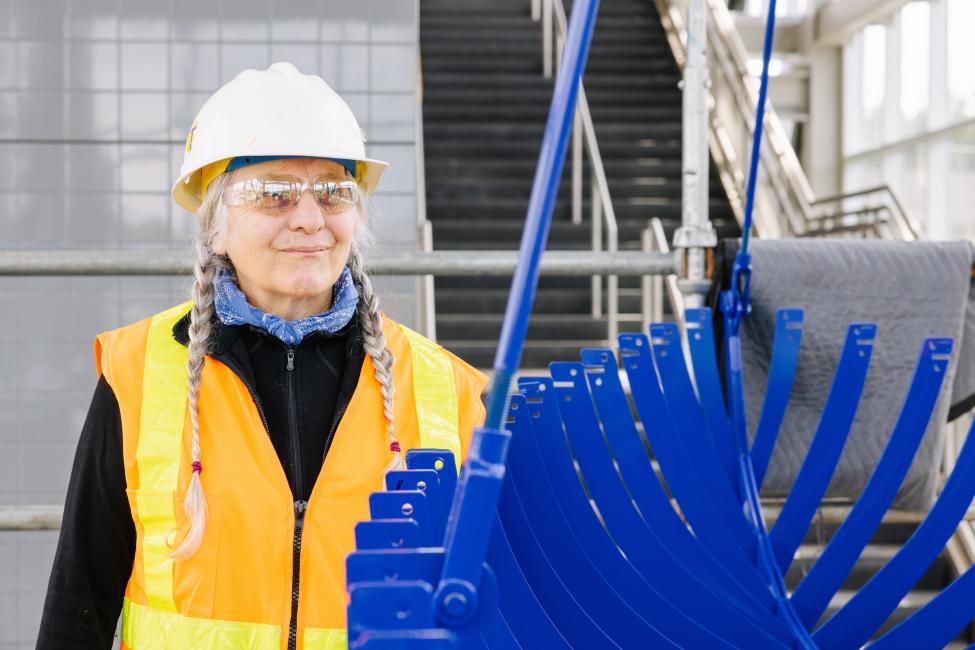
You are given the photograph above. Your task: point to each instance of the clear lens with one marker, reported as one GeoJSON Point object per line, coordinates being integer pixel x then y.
{"type": "Point", "coordinates": [334, 196]}
{"type": "Point", "coordinates": [279, 194]}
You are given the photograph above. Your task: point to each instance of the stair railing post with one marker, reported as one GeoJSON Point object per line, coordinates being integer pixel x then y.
{"type": "Point", "coordinates": [597, 245]}
{"type": "Point", "coordinates": [612, 290]}
{"type": "Point", "coordinates": [427, 300]}
{"type": "Point", "coordinates": [577, 164]}
{"type": "Point", "coordinates": [536, 10]}
{"type": "Point", "coordinates": [646, 289]}
{"type": "Point", "coordinates": [547, 38]}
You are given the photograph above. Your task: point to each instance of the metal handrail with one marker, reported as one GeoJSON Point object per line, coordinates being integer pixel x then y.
{"type": "Point", "coordinates": [838, 207]}
{"type": "Point", "coordinates": [584, 141]}
{"type": "Point", "coordinates": [445, 263]}
{"type": "Point", "coordinates": [787, 205]}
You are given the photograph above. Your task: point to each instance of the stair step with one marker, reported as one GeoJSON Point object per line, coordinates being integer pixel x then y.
{"type": "Point", "coordinates": [658, 91]}
{"type": "Point", "coordinates": [457, 167]}
{"type": "Point", "coordinates": [537, 112]}
{"type": "Point", "coordinates": [518, 80]}
{"type": "Point", "coordinates": [491, 131]}
{"type": "Point", "coordinates": [554, 301]}
{"type": "Point", "coordinates": [611, 150]}
{"type": "Point", "coordinates": [475, 187]}
{"type": "Point", "coordinates": [545, 282]}
{"type": "Point", "coordinates": [635, 209]}
{"type": "Point", "coordinates": [499, 65]}
{"type": "Point", "coordinates": [874, 557]}
{"type": "Point", "coordinates": [533, 47]}
{"type": "Point", "coordinates": [472, 21]}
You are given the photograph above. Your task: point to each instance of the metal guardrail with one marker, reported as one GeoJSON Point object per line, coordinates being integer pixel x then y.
{"type": "Point", "coordinates": [25, 518]}
{"type": "Point", "coordinates": [785, 203]}
{"type": "Point", "coordinates": [449, 263]}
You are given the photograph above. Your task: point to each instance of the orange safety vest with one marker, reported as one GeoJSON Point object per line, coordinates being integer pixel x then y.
{"type": "Point", "coordinates": [236, 590]}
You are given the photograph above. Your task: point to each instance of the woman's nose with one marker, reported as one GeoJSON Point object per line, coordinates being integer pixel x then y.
{"type": "Point", "coordinates": [306, 214]}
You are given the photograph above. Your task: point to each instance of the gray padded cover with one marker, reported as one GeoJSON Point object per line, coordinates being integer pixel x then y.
{"type": "Point", "coordinates": [910, 290]}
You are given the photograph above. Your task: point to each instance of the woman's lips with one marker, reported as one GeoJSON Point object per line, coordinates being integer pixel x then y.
{"type": "Point", "coordinates": [305, 250]}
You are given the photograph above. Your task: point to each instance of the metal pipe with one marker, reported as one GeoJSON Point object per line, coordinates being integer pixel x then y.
{"type": "Point", "coordinates": [547, 38]}
{"type": "Point", "coordinates": [596, 240]}
{"type": "Point", "coordinates": [30, 517]}
{"type": "Point", "coordinates": [428, 301]}
{"type": "Point", "coordinates": [452, 263]}
{"type": "Point", "coordinates": [696, 233]}
{"type": "Point", "coordinates": [577, 164]}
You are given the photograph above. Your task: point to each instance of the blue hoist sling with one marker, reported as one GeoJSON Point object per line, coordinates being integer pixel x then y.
{"type": "Point", "coordinates": [518, 552]}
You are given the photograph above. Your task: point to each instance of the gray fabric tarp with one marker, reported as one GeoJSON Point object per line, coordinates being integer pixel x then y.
{"type": "Point", "coordinates": [910, 290]}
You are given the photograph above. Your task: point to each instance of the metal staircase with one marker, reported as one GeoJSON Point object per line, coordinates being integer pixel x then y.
{"type": "Point", "coordinates": [485, 103]}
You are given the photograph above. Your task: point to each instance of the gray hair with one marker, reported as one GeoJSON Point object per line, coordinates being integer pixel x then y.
{"type": "Point", "coordinates": [212, 216]}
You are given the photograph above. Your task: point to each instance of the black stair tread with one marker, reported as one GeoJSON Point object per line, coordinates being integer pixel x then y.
{"type": "Point", "coordinates": [481, 112]}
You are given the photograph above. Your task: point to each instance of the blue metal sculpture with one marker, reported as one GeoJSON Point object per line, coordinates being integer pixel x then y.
{"type": "Point", "coordinates": [559, 533]}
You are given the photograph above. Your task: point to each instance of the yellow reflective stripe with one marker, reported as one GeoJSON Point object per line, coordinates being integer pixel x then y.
{"type": "Point", "coordinates": [435, 395]}
{"type": "Point", "coordinates": [326, 639]}
{"type": "Point", "coordinates": [146, 628]}
{"type": "Point", "coordinates": [158, 452]}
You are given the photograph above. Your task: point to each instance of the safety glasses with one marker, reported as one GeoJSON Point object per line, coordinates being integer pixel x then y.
{"type": "Point", "coordinates": [279, 193]}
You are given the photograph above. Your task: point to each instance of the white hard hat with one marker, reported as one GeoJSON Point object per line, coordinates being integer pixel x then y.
{"type": "Point", "coordinates": [273, 112]}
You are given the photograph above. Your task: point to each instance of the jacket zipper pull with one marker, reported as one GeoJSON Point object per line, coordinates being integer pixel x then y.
{"type": "Point", "coordinates": [300, 507]}
{"type": "Point", "coordinates": [291, 359]}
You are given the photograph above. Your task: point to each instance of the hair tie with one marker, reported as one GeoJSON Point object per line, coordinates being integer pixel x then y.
{"type": "Point", "coordinates": [197, 467]}
{"type": "Point", "coordinates": [394, 446]}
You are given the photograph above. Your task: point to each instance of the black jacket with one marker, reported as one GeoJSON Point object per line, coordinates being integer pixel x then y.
{"type": "Point", "coordinates": [301, 408]}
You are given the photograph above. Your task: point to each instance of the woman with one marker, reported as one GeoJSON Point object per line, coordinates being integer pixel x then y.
{"type": "Point", "coordinates": [178, 511]}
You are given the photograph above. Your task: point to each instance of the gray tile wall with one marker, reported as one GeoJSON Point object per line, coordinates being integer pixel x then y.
{"type": "Point", "coordinates": [96, 97]}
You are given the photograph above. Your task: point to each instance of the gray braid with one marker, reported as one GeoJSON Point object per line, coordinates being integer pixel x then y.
{"type": "Point", "coordinates": [204, 273]}
{"type": "Point", "coordinates": [374, 343]}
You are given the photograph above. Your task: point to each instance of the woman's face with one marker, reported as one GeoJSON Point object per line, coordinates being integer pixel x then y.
{"type": "Point", "coordinates": [292, 258]}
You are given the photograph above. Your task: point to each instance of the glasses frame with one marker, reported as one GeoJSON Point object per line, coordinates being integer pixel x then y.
{"type": "Point", "coordinates": [235, 194]}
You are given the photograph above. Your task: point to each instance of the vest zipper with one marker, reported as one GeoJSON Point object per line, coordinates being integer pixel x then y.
{"type": "Point", "coordinates": [293, 424]}
{"type": "Point", "coordinates": [300, 507]}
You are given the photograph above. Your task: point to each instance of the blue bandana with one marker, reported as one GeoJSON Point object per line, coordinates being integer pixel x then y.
{"type": "Point", "coordinates": [233, 309]}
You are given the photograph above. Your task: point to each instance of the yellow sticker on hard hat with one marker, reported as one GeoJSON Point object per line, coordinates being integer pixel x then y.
{"type": "Point", "coordinates": [189, 138]}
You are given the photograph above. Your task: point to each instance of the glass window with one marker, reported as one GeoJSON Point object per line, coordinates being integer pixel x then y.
{"type": "Point", "coordinates": [961, 188]}
{"type": "Point", "coordinates": [961, 57]}
{"type": "Point", "coordinates": [874, 84]}
{"type": "Point", "coordinates": [915, 63]}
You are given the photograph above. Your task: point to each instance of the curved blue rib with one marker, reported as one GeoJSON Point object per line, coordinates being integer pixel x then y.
{"type": "Point", "coordinates": [685, 411]}
{"type": "Point", "coordinates": [696, 609]}
{"type": "Point", "coordinates": [782, 371]}
{"type": "Point", "coordinates": [938, 622]}
{"type": "Point", "coordinates": [676, 461]}
{"type": "Point", "coordinates": [813, 594]}
{"type": "Point", "coordinates": [870, 607]}
{"type": "Point", "coordinates": [744, 589]}
{"type": "Point", "coordinates": [609, 605]}
{"type": "Point", "coordinates": [700, 340]}
{"type": "Point", "coordinates": [827, 444]}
